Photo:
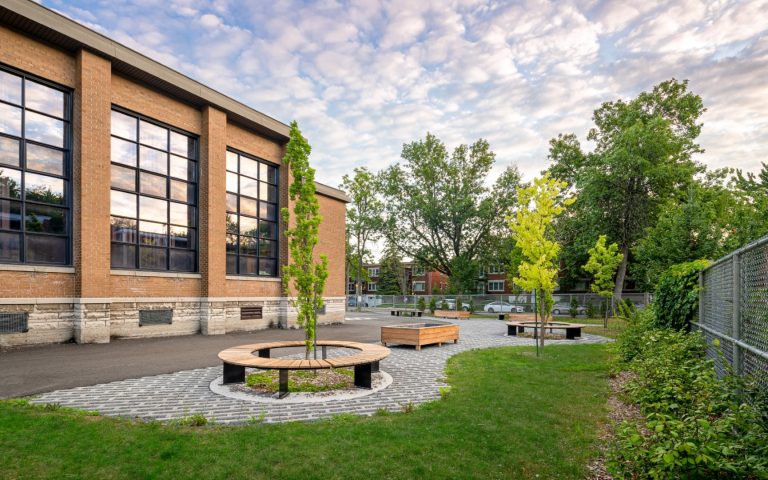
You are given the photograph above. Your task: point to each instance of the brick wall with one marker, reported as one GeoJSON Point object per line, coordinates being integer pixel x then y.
{"type": "Point", "coordinates": [37, 58]}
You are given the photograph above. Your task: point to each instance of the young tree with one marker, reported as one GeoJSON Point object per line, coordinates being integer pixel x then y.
{"type": "Point", "coordinates": [642, 158]}
{"type": "Point", "coordinates": [602, 264]}
{"type": "Point", "coordinates": [532, 229]}
{"type": "Point", "coordinates": [439, 208]}
{"type": "Point", "coordinates": [364, 215]}
{"type": "Point", "coordinates": [390, 273]}
{"type": "Point", "coordinates": [303, 278]}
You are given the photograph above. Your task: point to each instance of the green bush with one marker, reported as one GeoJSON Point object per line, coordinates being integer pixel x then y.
{"type": "Point", "coordinates": [432, 304]}
{"type": "Point", "coordinates": [676, 300]}
{"type": "Point", "coordinates": [422, 305]}
{"type": "Point", "coordinates": [591, 310]}
{"type": "Point", "coordinates": [444, 305]}
{"type": "Point", "coordinates": [574, 308]}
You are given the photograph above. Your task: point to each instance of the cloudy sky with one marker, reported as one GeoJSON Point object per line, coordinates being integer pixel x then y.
{"type": "Point", "coordinates": [363, 77]}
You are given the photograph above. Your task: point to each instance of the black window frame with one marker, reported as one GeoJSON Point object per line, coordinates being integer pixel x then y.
{"type": "Point", "coordinates": [68, 170]}
{"type": "Point", "coordinates": [137, 192]}
{"type": "Point", "coordinates": [258, 218]}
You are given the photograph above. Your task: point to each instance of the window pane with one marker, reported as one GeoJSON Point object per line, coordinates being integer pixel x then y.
{"type": "Point", "coordinates": [10, 215]}
{"type": "Point", "coordinates": [123, 204]}
{"type": "Point", "coordinates": [10, 120]}
{"type": "Point", "coordinates": [268, 173]}
{"type": "Point", "coordinates": [44, 129]}
{"type": "Point", "coordinates": [44, 99]}
{"type": "Point", "coordinates": [232, 161]}
{"type": "Point", "coordinates": [248, 265]}
{"type": "Point", "coordinates": [267, 248]}
{"type": "Point", "coordinates": [267, 267]}
{"type": "Point", "coordinates": [46, 249]}
{"type": "Point", "coordinates": [231, 262]}
{"type": "Point", "coordinates": [267, 230]}
{"type": "Point", "coordinates": [231, 202]}
{"type": "Point", "coordinates": [124, 178]}
{"type": "Point", "coordinates": [10, 183]}
{"type": "Point", "coordinates": [123, 230]}
{"type": "Point", "coordinates": [231, 243]}
{"type": "Point", "coordinates": [182, 191]}
{"type": "Point", "coordinates": [231, 223]}
{"type": "Point", "coordinates": [248, 226]}
{"type": "Point", "coordinates": [123, 152]}
{"type": "Point", "coordinates": [42, 188]}
{"type": "Point", "coordinates": [182, 237]}
{"type": "Point", "coordinates": [123, 256]}
{"type": "Point", "coordinates": [183, 168]}
{"type": "Point", "coordinates": [152, 258]}
{"type": "Point", "coordinates": [153, 160]}
{"type": "Point", "coordinates": [249, 167]}
{"type": "Point", "coordinates": [249, 187]}
{"type": "Point", "coordinates": [43, 219]}
{"type": "Point", "coordinates": [45, 159]}
{"type": "Point", "coordinates": [182, 145]}
{"type": "Point", "coordinates": [248, 246]}
{"type": "Point", "coordinates": [182, 215]}
{"type": "Point", "coordinates": [182, 261]}
{"type": "Point", "coordinates": [9, 151]}
{"type": "Point", "coordinates": [151, 233]}
{"type": "Point", "coordinates": [153, 135]}
{"type": "Point", "coordinates": [10, 88]}
{"type": "Point", "coordinates": [268, 211]}
{"type": "Point", "coordinates": [249, 206]}
{"type": "Point", "coordinates": [153, 184]}
{"type": "Point", "coordinates": [153, 209]}
{"type": "Point", "coordinates": [232, 182]}
{"type": "Point", "coordinates": [267, 192]}
{"type": "Point", "coordinates": [10, 247]}
{"type": "Point", "coordinates": [123, 126]}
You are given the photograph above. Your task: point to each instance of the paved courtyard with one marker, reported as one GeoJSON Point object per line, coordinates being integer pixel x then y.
{"type": "Point", "coordinates": [416, 378]}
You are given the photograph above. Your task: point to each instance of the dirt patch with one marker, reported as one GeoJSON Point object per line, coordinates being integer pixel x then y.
{"type": "Point", "coordinates": [547, 336]}
{"type": "Point", "coordinates": [309, 381]}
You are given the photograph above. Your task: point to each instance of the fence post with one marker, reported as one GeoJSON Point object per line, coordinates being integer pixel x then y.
{"type": "Point", "coordinates": [736, 315]}
{"type": "Point", "coordinates": [701, 298]}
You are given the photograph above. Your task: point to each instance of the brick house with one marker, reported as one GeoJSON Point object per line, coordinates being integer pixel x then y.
{"type": "Point", "coordinates": [135, 201]}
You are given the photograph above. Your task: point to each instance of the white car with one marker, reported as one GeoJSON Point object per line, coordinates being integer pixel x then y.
{"type": "Point", "coordinates": [452, 305]}
{"type": "Point", "coordinates": [565, 309]}
{"type": "Point", "coordinates": [503, 307]}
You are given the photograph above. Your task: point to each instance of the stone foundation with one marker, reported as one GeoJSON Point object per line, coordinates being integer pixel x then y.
{"type": "Point", "coordinates": [98, 321]}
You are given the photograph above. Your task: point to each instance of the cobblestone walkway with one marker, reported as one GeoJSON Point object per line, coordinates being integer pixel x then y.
{"type": "Point", "coordinates": [416, 378]}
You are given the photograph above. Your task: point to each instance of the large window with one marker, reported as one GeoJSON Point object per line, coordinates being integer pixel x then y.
{"type": "Point", "coordinates": [35, 171]}
{"type": "Point", "coordinates": [496, 286]}
{"type": "Point", "coordinates": [154, 195]}
{"type": "Point", "coordinates": [252, 214]}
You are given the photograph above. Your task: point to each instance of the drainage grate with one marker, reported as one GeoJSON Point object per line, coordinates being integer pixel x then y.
{"type": "Point", "coordinates": [251, 313]}
{"type": "Point", "coordinates": [14, 322]}
{"type": "Point", "coordinates": [155, 317]}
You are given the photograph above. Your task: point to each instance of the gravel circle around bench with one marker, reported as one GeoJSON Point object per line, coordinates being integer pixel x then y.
{"type": "Point", "coordinates": [416, 378]}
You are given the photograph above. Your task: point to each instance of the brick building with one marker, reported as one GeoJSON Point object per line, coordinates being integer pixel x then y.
{"type": "Point", "coordinates": [135, 201]}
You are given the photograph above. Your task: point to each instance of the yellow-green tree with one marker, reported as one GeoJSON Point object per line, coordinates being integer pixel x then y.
{"type": "Point", "coordinates": [532, 228]}
{"type": "Point", "coordinates": [602, 264]}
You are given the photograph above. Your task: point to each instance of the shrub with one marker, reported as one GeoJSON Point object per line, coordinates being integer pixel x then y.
{"type": "Point", "coordinates": [574, 308]}
{"type": "Point", "coordinates": [432, 305]}
{"type": "Point", "coordinates": [194, 420]}
{"type": "Point", "coordinates": [422, 305]}
{"type": "Point", "coordinates": [444, 305]}
{"type": "Point", "coordinates": [591, 310]}
{"type": "Point", "coordinates": [472, 307]}
{"type": "Point", "coordinates": [676, 300]}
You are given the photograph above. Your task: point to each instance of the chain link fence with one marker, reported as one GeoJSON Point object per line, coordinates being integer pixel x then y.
{"type": "Point", "coordinates": [733, 308]}
{"type": "Point", "coordinates": [586, 304]}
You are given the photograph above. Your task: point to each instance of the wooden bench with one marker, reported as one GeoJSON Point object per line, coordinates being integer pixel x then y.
{"type": "Point", "coordinates": [451, 314]}
{"type": "Point", "coordinates": [572, 330]}
{"type": "Point", "coordinates": [403, 312]}
{"type": "Point", "coordinates": [257, 355]}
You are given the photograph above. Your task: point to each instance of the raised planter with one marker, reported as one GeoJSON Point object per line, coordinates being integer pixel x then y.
{"type": "Point", "coordinates": [452, 314]}
{"type": "Point", "coordinates": [419, 334]}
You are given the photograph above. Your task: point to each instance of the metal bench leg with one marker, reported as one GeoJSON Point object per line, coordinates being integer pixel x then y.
{"type": "Point", "coordinates": [264, 353]}
{"type": "Point", "coordinates": [511, 330]}
{"type": "Point", "coordinates": [283, 384]}
{"type": "Point", "coordinates": [375, 367]}
{"type": "Point", "coordinates": [572, 333]}
{"type": "Point", "coordinates": [363, 375]}
{"type": "Point", "coordinates": [233, 373]}
{"type": "Point", "coordinates": [325, 352]}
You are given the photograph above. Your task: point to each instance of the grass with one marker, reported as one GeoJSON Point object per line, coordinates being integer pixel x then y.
{"type": "Point", "coordinates": [303, 380]}
{"type": "Point", "coordinates": [508, 415]}
{"type": "Point", "coordinates": [615, 326]}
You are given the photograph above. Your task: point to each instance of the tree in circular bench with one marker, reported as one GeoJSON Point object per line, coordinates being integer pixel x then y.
{"type": "Point", "coordinates": [303, 278]}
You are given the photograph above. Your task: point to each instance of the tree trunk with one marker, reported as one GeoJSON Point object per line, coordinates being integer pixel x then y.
{"type": "Point", "coordinates": [621, 274]}
{"type": "Point", "coordinates": [543, 318]}
{"type": "Point", "coordinates": [358, 286]}
{"type": "Point", "coordinates": [605, 320]}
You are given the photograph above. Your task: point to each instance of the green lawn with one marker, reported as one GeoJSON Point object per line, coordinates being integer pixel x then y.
{"type": "Point", "coordinates": [508, 415]}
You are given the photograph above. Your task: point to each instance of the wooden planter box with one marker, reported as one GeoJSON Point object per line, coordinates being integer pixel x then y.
{"type": "Point", "coordinates": [418, 334]}
{"type": "Point", "coordinates": [452, 314]}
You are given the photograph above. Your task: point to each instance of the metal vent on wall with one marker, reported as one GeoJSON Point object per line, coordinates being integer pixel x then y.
{"type": "Point", "coordinates": [251, 313]}
{"type": "Point", "coordinates": [14, 322]}
{"type": "Point", "coordinates": [155, 317]}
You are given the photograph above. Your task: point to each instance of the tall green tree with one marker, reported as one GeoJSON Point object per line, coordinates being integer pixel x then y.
{"type": "Point", "coordinates": [304, 277]}
{"type": "Point", "coordinates": [441, 208]}
{"type": "Point", "coordinates": [364, 217]}
{"type": "Point", "coordinates": [642, 158]}
{"type": "Point", "coordinates": [533, 230]}
{"type": "Point", "coordinates": [391, 273]}
{"type": "Point", "coordinates": [603, 262]}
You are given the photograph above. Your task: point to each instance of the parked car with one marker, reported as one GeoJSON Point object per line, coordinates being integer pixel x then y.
{"type": "Point", "coordinates": [503, 307]}
{"type": "Point", "coordinates": [452, 305]}
{"type": "Point", "coordinates": [565, 309]}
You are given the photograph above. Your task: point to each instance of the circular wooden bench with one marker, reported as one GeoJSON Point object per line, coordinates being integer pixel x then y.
{"type": "Point", "coordinates": [257, 355]}
{"type": "Point", "coordinates": [572, 330]}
